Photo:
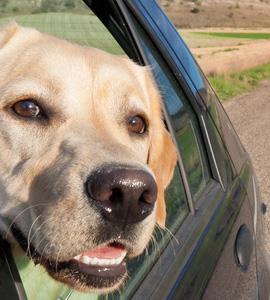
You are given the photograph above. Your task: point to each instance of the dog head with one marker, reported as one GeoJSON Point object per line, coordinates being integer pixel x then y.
{"type": "Point", "coordinates": [84, 156]}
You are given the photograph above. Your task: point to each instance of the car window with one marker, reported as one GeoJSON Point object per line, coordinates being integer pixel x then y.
{"type": "Point", "coordinates": [184, 122]}
{"type": "Point", "coordinates": [70, 19]}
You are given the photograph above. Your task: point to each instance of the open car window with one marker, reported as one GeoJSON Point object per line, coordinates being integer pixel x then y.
{"type": "Point", "coordinates": [70, 19]}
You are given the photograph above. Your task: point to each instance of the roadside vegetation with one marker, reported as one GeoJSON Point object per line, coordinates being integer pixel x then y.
{"type": "Point", "coordinates": [237, 35]}
{"type": "Point", "coordinates": [15, 7]}
{"type": "Point", "coordinates": [231, 85]}
{"type": "Point", "coordinates": [84, 29]}
{"type": "Point", "coordinates": [235, 61]}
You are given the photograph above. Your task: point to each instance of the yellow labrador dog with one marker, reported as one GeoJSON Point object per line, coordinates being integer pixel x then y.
{"type": "Point", "coordinates": [84, 157]}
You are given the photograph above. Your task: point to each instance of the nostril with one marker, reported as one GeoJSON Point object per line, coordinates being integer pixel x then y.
{"type": "Point", "coordinates": [147, 197]}
{"type": "Point", "coordinates": [116, 195]}
{"type": "Point", "coordinates": [99, 192]}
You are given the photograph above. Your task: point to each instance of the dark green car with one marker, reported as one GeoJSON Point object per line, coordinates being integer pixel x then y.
{"type": "Point", "coordinates": [213, 248]}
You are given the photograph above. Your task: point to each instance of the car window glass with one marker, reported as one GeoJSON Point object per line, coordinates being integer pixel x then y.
{"type": "Point", "coordinates": [178, 47]}
{"type": "Point", "coordinates": [184, 122]}
{"type": "Point", "coordinates": [72, 20]}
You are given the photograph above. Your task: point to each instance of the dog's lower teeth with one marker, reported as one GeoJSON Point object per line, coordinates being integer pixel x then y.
{"type": "Point", "coordinates": [98, 261]}
{"type": "Point", "coordinates": [86, 260]}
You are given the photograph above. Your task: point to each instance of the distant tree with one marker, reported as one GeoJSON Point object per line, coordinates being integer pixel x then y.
{"type": "Point", "coordinates": [69, 4]}
{"type": "Point", "coordinates": [195, 10]}
{"type": "Point", "coordinates": [46, 6]}
{"type": "Point", "coordinates": [3, 4]}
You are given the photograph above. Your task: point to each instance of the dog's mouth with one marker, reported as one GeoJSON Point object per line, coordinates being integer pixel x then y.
{"type": "Point", "coordinates": [102, 268]}
{"type": "Point", "coordinates": [98, 268]}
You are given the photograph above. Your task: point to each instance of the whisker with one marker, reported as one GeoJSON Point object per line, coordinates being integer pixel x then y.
{"type": "Point", "coordinates": [169, 232]}
{"type": "Point", "coordinates": [19, 214]}
{"type": "Point", "coordinates": [157, 248]}
{"type": "Point", "coordinates": [39, 228]}
{"type": "Point", "coordinates": [171, 236]}
{"type": "Point", "coordinates": [29, 235]}
{"type": "Point", "coordinates": [44, 248]}
{"type": "Point", "coordinates": [57, 258]}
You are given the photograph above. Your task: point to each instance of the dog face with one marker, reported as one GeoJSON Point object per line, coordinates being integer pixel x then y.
{"type": "Point", "coordinates": [84, 156]}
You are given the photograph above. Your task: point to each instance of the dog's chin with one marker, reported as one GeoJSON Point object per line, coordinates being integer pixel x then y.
{"type": "Point", "coordinates": [98, 276]}
{"type": "Point", "coordinates": [100, 270]}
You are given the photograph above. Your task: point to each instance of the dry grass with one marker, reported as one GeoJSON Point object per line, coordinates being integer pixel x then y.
{"type": "Point", "coordinates": [218, 13]}
{"type": "Point", "coordinates": [219, 60]}
{"type": "Point", "coordinates": [222, 55]}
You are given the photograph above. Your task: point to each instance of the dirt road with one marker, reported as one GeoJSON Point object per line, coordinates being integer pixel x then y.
{"type": "Point", "coordinates": [250, 114]}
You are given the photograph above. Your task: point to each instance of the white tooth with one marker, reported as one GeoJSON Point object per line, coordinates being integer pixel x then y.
{"type": "Point", "coordinates": [85, 259]}
{"type": "Point", "coordinates": [103, 262]}
{"type": "Point", "coordinates": [94, 261]}
{"type": "Point", "coordinates": [100, 261]}
{"type": "Point", "coordinates": [118, 260]}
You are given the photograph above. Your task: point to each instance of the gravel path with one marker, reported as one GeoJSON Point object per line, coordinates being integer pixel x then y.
{"type": "Point", "coordinates": [250, 114]}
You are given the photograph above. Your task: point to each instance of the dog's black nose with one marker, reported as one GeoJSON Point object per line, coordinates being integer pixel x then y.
{"type": "Point", "coordinates": [124, 195]}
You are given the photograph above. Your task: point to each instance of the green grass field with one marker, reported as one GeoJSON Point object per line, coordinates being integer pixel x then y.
{"type": "Point", "coordinates": [88, 30]}
{"type": "Point", "coordinates": [79, 28]}
{"type": "Point", "coordinates": [238, 35]}
{"type": "Point", "coordinates": [228, 86]}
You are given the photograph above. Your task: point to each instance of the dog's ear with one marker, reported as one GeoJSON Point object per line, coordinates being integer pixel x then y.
{"type": "Point", "coordinates": [162, 161]}
{"type": "Point", "coordinates": [7, 32]}
{"type": "Point", "coordinates": [162, 152]}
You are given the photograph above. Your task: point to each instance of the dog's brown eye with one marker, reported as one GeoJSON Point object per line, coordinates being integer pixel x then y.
{"type": "Point", "coordinates": [27, 109]}
{"type": "Point", "coordinates": [136, 124]}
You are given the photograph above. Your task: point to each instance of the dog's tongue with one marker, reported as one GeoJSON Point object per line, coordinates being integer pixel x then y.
{"type": "Point", "coordinates": [106, 252]}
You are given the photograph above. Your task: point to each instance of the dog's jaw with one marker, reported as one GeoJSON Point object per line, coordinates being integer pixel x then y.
{"type": "Point", "coordinates": [88, 271]}
{"type": "Point", "coordinates": [92, 271]}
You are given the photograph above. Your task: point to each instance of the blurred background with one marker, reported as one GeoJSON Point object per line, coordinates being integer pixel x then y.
{"type": "Point", "coordinates": [229, 38]}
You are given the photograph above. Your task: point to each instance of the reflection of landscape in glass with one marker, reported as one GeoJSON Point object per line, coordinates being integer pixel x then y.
{"type": "Point", "coordinates": [176, 203]}
{"type": "Point", "coordinates": [191, 158]}
{"type": "Point", "coordinates": [190, 151]}
{"type": "Point", "coordinates": [67, 19]}
{"type": "Point", "coordinates": [183, 123]}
